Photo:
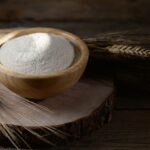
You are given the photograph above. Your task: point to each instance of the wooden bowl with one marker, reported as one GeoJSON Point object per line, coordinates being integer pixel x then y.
{"type": "Point", "coordinates": [43, 86]}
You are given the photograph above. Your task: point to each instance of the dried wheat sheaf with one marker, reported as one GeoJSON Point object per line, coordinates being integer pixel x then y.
{"type": "Point", "coordinates": [98, 47]}
{"type": "Point", "coordinates": [9, 113]}
{"type": "Point", "coordinates": [129, 50]}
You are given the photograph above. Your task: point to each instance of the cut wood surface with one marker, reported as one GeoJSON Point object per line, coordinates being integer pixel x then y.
{"type": "Point", "coordinates": [76, 113]}
{"type": "Point", "coordinates": [79, 102]}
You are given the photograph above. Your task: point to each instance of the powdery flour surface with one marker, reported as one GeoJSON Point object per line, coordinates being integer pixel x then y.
{"type": "Point", "coordinates": [37, 53]}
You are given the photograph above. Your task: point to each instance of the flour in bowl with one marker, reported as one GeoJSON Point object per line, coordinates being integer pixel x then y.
{"type": "Point", "coordinates": [37, 53]}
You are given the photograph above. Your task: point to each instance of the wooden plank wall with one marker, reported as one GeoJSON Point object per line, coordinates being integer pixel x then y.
{"type": "Point", "coordinates": [74, 10]}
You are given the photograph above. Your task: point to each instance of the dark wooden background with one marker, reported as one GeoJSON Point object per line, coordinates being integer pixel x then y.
{"type": "Point", "coordinates": [83, 17]}
{"type": "Point", "coordinates": [130, 127]}
{"type": "Point", "coordinates": [75, 10]}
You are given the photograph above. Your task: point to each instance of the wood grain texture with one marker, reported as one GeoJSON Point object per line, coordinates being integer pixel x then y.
{"type": "Point", "coordinates": [83, 29]}
{"type": "Point", "coordinates": [76, 112]}
{"type": "Point", "coordinates": [68, 107]}
{"type": "Point", "coordinates": [133, 89]}
{"type": "Point", "coordinates": [129, 130]}
{"type": "Point", "coordinates": [43, 86]}
{"type": "Point", "coordinates": [74, 10]}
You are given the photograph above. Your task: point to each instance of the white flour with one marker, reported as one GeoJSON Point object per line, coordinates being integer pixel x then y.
{"type": "Point", "coordinates": [37, 53]}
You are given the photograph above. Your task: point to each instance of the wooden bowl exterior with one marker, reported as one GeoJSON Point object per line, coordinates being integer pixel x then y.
{"type": "Point", "coordinates": [43, 86]}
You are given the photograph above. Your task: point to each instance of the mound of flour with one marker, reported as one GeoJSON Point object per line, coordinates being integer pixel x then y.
{"type": "Point", "coordinates": [37, 53]}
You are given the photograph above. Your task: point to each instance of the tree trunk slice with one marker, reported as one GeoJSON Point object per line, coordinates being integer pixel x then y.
{"type": "Point", "coordinates": [78, 102]}
{"type": "Point", "coordinates": [77, 112]}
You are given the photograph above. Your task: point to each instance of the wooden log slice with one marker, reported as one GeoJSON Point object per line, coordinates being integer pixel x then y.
{"type": "Point", "coordinates": [76, 113]}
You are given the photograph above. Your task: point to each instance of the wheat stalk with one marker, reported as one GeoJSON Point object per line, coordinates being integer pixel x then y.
{"type": "Point", "coordinates": [129, 50]}
{"type": "Point", "coordinates": [99, 47]}
{"type": "Point", "coordinates": [14, 135]}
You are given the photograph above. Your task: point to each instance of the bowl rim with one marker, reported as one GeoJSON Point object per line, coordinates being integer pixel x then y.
{"type": "Point", "coordinates": [71, 37]}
